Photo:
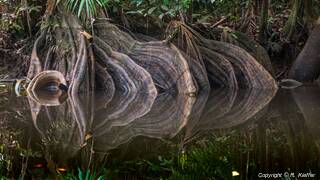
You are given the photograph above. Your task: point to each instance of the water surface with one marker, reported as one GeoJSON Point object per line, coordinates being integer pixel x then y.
{"type": "Point", "coordinates": [127, 137]}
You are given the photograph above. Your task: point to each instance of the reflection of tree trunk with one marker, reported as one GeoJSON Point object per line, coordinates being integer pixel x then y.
{"type": "Point", "coordinates": [307, 99]}
{"type": "Point", "coordinates": [307, 65]}
{"type": "Point", "coordinates": [79, 115]}
{"type": "Point", "coordinates": [293, 127]}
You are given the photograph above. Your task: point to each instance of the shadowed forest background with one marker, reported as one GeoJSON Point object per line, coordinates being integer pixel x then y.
{"type": "Point", "coordinates": [146, 89]}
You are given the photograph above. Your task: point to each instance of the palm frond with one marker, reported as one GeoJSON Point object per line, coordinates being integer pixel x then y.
{"type": "Point", "coordinates": [188, 39]}
{"type": "Point", "coordinates": [87, 8]}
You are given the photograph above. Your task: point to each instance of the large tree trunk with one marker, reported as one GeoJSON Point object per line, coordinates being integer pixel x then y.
{"type": "Point", "coordinates": [307, 65]}
{"type": "Point", "coordinates": [137, 70]}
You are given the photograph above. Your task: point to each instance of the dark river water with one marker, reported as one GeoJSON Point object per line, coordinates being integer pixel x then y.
{"type": "Point", "coordinates": [224, 134]}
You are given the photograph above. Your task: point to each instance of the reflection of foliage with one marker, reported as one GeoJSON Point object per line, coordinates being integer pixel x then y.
{"type": "Point", "coordinates": [8, 145]}
{"type": "Point", "coordinates": [60, 130]}
{"type": "Point", "coordinates": [211, 158]}
{"type": "Point", "coordinates": [221, 153]}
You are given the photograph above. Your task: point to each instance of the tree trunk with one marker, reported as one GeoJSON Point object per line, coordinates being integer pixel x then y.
{"type": "Point", "coordinates": [306, 67]}
{"type": "Point", "coordinates": [309, 11]}
{"type": "Point", "coordinates": [263, 23]}
{"type": "Point", "coordinates": [294, 18]}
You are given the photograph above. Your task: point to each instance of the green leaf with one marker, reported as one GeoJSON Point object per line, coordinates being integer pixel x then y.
{"type": "Point", "coordinates": [80, 175]}
{"type": "Point", "coordinates": [151, 10]}
{"type": "Point", "coordinates": [89, 6]}
{"type": "Point", "coordinates": [140, 11]}
{"type": "Point", "coordinates": [164, 7]}
{"type": "Point", "coordinates": [81, 7]}
{"type": "Point", "coordinates": [87, 175]}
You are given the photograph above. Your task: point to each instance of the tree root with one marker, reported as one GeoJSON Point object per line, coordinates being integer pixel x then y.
{"type": "Point", "coordinates": [168, 68]}
{"type": "Point", "coordinates": [248, 71]}
{"type": "Point", "coordinates": [132, 66]}
{"type": "Point", "coordinates": [251, 46]}
{"type": "Point", "coordinates": [35, 66]}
